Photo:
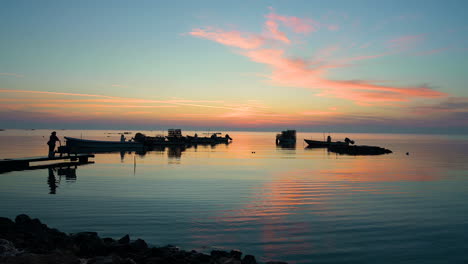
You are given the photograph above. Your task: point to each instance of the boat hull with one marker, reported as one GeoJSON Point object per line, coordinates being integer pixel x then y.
{"type": "Point", "coordinates": [317, 143]}
{"type": "Point", "coordinates": [98, 144]}
{"type": "Point", "coordinates": [358, 150]}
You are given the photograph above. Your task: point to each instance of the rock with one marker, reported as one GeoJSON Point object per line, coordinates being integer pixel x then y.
{"type": "Point", "coordinates": [249, 259]}
{"type": "Point", "coordinates": [139, 245]}
{"type": "Point", "coordinates": [108, 240]}
{"type": "Point", "coordinates": [220, 254]}
{"type": "Point", "coordinates": [124, 240]}
{"type": "Point", "coordinates": [224, 260]}
{"type": "Point", "coordinates": [236, 254]}
{"type": "Point", "coordinates": [112, 259]}
{"type": "Point", "coordinates": [42, 259]}
{"type": "Point", "coordinates": [199, 258]}
{"type": "Point", "coordinates": [103, 260]}
{"type": "Point", "coordinates": [22, 219]}
{"type": "Point", "coordinates": [6, 226]}
{"type": "Point", "coordinates": [28, 240]}
{"type": "Point", "coordinates": [88, 244]}
{"type": "Point", "coordinates": [7, 249]}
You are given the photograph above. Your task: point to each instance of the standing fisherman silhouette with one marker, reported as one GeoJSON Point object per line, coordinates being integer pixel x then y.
{"type": "Point", "coordinates": [53, 138]}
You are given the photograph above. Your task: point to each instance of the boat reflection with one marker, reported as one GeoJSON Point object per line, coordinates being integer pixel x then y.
{"type": "Point", "coordinates": [286, 145]}
{"type": "Point", "coordinates": [68, 172]}
{"type": "Point", "coordinates": [173, 152]}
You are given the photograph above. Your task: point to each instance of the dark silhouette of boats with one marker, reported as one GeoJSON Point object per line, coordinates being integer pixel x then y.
{"type": "Point", "coordinates": [319, 144]}
{"type": "Point", "coordinates": [287, 137]}
{"type": "Point", "coordinates": [346, 147]}
{"type": "Point", "coordinates": [101, 144]}
{"type": "Point", "coordinates": [358, 150]}
{"type": "Point", "coordinates": [175, 137]}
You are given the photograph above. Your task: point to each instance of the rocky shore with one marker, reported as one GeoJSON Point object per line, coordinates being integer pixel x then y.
{"type": "Point", "coordinates": [27, 240]}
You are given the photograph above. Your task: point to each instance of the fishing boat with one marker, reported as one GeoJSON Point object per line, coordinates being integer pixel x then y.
{"type": "Point", "coordinates": [358, 150]}
{"type": "Point", "coordinates": [215, 138]}
{"type": "Point", "coordinates": [316, 143]}
{"type": "Point", "coordinates": [286, 137]}
{"type": "Point", "coordinates": [101, 145]}
{"type": "Point", "coordinates": [175, 137]}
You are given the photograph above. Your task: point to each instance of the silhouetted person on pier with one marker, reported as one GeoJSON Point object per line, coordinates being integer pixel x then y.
{"type": "Point", "coordinates": [328, 139]}
{"type": "Point", "coordinates": [122, 138]}
{"type": "Point", "coordinates": [53, 138]}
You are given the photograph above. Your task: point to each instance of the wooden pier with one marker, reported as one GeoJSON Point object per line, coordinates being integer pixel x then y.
{"type": "Point", "coordinates": [25, 163]}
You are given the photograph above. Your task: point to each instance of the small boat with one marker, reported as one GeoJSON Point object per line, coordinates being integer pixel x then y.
{"type": "Point", "coordinates": [317, 143]}
{"type": "Point", "coordinates": [175, 137]}
{"type": "Point", "coordinates": [213, 139]}
{"type": "Point", "coordinates": [287, 137]}
{"type": "Point", "coordinates": [358, 150]}
{"type": "Point", "coordinates": [325, 144]}
{"type": "Point", "coordinates": [100, 144]}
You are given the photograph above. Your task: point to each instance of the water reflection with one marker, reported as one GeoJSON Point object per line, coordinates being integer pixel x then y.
{"type": "Point", "coordinates": [174, 153]}
{"type": "Point", "coordinates": [286, 145]}
{"type": "Point", "coordinates": [69, 172]}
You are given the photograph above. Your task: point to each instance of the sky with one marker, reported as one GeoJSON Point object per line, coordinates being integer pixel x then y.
{"type": "Point", "coordinates": [319, 66]}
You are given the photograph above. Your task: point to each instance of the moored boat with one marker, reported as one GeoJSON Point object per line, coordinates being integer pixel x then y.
{"type": "Point", "coordinates": [175, 137]}
{"type": "Point", "coordinates": [358, 150]}
{"type": "Point", "coordinates": [286, 137]}
{"type": "Point", "coordinates": [213, 139]}
{"type": "Point", "coordinates": [101, 144]}
{"type": "Point", "coordinates": [323, 144]}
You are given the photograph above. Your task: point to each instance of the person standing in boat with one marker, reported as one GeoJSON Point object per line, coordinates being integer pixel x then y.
{"type": "Point", "coordinates": [122, 138]}
{"type": "Point", "coordinates": [53, 138]}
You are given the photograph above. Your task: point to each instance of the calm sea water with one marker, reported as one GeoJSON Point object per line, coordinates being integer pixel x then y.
{"type": "Point", "coordinates": [292, 204]}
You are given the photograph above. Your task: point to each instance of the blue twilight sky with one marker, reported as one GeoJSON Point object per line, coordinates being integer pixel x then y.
{"type": "Point", "coordinates": [313, 65]}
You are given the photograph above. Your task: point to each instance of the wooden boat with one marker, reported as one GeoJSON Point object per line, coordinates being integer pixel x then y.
{"type": "Point", "coordinates": [101, 145]}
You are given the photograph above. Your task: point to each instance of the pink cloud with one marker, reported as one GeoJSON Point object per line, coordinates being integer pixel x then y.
{"type": "Point", "coordinates": [312, 74]}
{"type": "Point", "coordinates": [299, 73]}
{"type": "Point", "coordinates": [333, 27]}
{"type": "Point", "coordinates": [430, 52]}
{"type": "Point", "coordinates": [298, 25]}
{"type": "Point", "coordinates": [405, 42]}
{"type": "Point", "coordinates": [229, 38]}
{"type": "Point", "coordinates": [272, 27]}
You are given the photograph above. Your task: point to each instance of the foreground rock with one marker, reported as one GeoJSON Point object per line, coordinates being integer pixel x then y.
{"type": "Point", "coordinates": [27, 240]}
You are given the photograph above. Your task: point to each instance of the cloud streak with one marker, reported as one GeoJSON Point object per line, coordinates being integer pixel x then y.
{"type": "Point", "coordinates": [313, 74]}
{"type": "Point", "coordinates": [229, 38]}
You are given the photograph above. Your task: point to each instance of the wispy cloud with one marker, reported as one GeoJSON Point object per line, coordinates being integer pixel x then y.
{"type": "Point", "coordinates": [110, 106]}
{"type": "Point", "coordinates": [229, 38]}
{"type": "Point", "coordinates": [313, 74]}
{"type": "Point", "coordinates": [403, 43]}
{"type": "Point", "coordinates": [298, 25]}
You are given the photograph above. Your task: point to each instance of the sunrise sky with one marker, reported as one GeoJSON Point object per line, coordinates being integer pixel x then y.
{"type": "Point", "coordinates": [343, 66]}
